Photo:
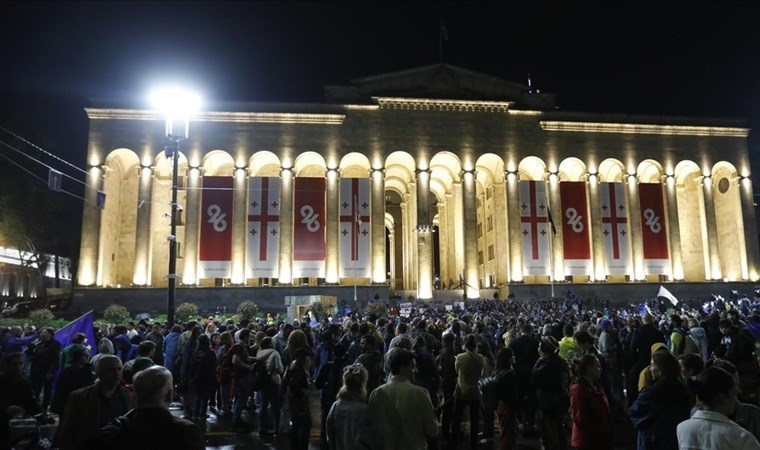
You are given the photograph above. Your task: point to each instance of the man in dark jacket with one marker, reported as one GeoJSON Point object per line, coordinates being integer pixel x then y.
{"type": "Point", "coordinates": [150, 425]}
{"type": "Point", "coordinates": [45, 357]}
{"type": "Point", "coordinates": [525, 349]}
{"type": "Point", "coordinates": [641, 354]}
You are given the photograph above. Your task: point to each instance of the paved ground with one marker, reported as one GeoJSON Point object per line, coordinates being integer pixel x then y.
{"type": "Point", "coordinates": [220, 435]}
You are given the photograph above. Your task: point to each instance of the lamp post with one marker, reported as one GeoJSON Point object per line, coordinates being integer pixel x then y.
{"type": "Point", "coordinates": [177, 107]}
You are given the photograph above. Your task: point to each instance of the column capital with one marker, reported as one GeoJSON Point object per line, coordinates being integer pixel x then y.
{"type": "Point", "coordinates": [284, 170]}
{"type": "Point", "coordinates": [332, 169]}
{"type": "Point", "coordinates": [510, 173]}
{"type": "Point", "coordinates": [472, 172]}
{"type": "Point", "coordinates": [418, 171]}
{"type": "Point", "coordinates": [374, 170]}
{"type": "Point", "coordinates": [592, 177]}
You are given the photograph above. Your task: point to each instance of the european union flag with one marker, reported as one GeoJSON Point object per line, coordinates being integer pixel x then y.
{"type": "Point", "coordinates": [80, 325]}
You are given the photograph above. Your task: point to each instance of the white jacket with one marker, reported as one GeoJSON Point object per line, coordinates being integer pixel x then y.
{"type": "Point", "coordinates": [709, 430]}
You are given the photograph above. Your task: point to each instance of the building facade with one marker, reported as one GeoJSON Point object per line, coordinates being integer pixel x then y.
{"type": "Point", "coordinates": [436, 178]}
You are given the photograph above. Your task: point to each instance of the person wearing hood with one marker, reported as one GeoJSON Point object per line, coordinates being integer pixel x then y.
{"type": "Point", "coordinates": [105, 347]}
{"type": "Point", "coordinates": [645, 376]}
{"type": "Point", "coordinates": [125, 349]}
{"type": "Point", "coordinates": [696, 340]}
{"type": "Point", "coordinates": [170, 347]}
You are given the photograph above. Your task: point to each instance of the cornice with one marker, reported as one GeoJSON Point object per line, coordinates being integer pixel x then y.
{"type": "Point", "coordinates": [631, 128]}
{"type": "Point", "coordinates": [215, 116]}
{"type": "Point", "coordinates": [426, 104]}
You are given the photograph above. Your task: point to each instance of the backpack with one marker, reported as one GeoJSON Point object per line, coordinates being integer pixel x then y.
{"type": "Point", "coordinates": [260, 376]}
{"type": "Point", "coordinates": [224, 367]}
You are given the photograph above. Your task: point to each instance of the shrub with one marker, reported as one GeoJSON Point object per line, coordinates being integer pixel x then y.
{"type": "Point", "coordinates": [247, 309]}
{"type": "Point", "coordinates": [320, 310]}
{"type": "Point", "coordinates": [41, 317]}
{"type": "Point", "coordinates": [116, 314]}
{"type": "Point", "coordinates": [186, 312]}
{"type": "Point", "coordinates": [379, 309]}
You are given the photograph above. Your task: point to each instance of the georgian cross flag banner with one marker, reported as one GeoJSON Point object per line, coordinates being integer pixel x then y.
{"type": "Point", "coordinates": [262, 257]}
{"type": "Point", "coordinates": [535, 231]}
{"type": "Point", "coordinates": [216, 228]}
{"type": "Point", "coordinates": [653, 231]}
{"type": "Point", "coordinates": [354, 228]}
{"type": "Point", "coordinates": [576, 242]}
{"type": "Point", "coordinates": [617, 248]}
{"type": "Point", "coordinates": [309, 228]}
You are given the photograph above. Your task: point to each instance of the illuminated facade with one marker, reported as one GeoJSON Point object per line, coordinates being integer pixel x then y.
{"type": "Point", "coordinates": [431, 178]}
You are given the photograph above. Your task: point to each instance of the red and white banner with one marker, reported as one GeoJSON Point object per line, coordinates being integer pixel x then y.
{"type": "Point", "coordinates": [216, 228]}
{"type": "Point", "coordinates": [576, 242]}
{"type": "Point", "coordinates": [653, 232]}
{"type": "Point", "coordinates": [263, 255]}
{"type": "Point", "coordinates": [617, 248]}
{"type": "Point", "coordinates": [354, 228]}
{"type": "Point", "coordinates": [534, 228]}
{"type": "Point", "coordinates": [309, 228]}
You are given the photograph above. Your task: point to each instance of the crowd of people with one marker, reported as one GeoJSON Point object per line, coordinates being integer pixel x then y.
{"type": "Point", "coordinates": [562, 371]}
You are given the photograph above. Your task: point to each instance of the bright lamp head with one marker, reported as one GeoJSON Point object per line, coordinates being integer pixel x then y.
{"type": "Point", "coordinates": [177, 105]}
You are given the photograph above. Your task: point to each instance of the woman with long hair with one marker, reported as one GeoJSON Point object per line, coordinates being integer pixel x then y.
{"type": "Point", "coordinates": [659, 408]}
{"type": "Point", "coordinates": [710, 428]}
{"type": "Point", "coordinates": [347, 423]}
{"type": "Point", "coordinates": [589, 407]}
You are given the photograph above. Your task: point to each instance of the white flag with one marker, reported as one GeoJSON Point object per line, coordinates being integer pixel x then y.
{"type": "Point", "coordinates": [666, 293]}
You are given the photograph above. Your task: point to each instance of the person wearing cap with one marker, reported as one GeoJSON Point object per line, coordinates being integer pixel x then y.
{"type": "Point", "coordinates": [645, 376]}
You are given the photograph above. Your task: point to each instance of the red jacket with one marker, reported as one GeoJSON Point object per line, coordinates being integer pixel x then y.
{"type": "Point", "coordinates": [592, 420]}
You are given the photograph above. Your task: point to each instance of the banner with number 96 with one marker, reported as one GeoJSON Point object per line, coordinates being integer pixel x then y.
{"type": "Point", "coordinates": [309, 227]}
{"type": "Point", "coordinates": [653, 229]}
{"type": "Point", "coordinates": [575, 228]}
{"type": "Point", "coordinates": [216, 228]}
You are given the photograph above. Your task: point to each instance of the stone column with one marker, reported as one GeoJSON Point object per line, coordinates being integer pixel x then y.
{"type": "Point", "coordinates": [143, 260]}
{"type": "Point", "coordinates": [634, 217]}
{"type": "Point", "coordinates": [377, 225]}
{"type": "Point", "coordinates": [443, 242]}
{"type": "Point", "coordinates": [192, 227]}
{"type": "Point", "coordinates": [513, 220]}
{"type": "Point", "coordinates": [456, 215]}
{"type": "Point", "coordinates": [239, 225]}
{"type": "Point", "coordinates": [674, 228]}
{"type": "Point", "coordinates": [557, 255]}
{"type": "Point", "coordinates": [424, 237]}
{"type": "Point", "coordinates": [332, 227]}
{"type": "Point", "coordinates": [713, 271]}
{"type": "Point", "coordinates": [470, 222]}
{"type": "Point", "coordinates": [750, 229]}
{"type": "Point", "coordinates": [90, 248]}
{"type": "Point", "coordinates": [286, 226]}
{"type": "Point", "coordinates": [595, 222]}
{"type": "Point", "coordinates": [406, 270]}
{"type": "Point", "coordinates": [501, 233]}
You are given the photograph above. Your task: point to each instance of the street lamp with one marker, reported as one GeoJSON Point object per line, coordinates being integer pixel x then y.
{"type": "Point", "coordinates": [177, 106]}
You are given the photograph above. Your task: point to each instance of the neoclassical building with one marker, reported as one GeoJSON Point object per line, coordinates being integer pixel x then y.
{"type": "Point", "coordinates": [435, 178]}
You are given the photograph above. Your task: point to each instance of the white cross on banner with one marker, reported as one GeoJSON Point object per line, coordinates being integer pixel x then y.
{"type": "Point", "coordinates": [535, 230]}
{"type": "Point", "coordinates": [263, 250]}
{"type": "Point", "coordinates": [354, 228]}
{"type": "Point", "coordinates": [617, 252]}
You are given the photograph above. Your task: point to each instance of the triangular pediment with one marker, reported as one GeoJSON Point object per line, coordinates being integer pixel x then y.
{"type": "Point", "coordinates": [439, 81]}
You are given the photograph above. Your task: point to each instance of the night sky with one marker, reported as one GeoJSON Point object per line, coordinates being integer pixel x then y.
{"type": "Point", "coordinates": [695, 59]}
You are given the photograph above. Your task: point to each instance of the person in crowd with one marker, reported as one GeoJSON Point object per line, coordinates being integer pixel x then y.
{"type": "Point", "coordinates": [645, 376]}
{"type": "Point", "coordinates": [691, 365]}
{"type": "Point", "coordinates": [590, 408]}
{"type": "Point", "coordinates": [400, 410]}
{"type": "Point", "coordinates": [150, 425]}
{"type": "Point", "coordinates": [241, 377]}
{"type": "Point", "coordinates": [659, 408]}
{"type": "Point", "coordinates": [224, 379]}
{"type": "Point", "coordinates": [281, 338]}
{"type": "Point", "coordinates": [446, 363]}
{"type": "Point", "coordinates": [93, 407]}
{"type": "Point", "coordinates": [372, 360]}
{"type": "Point", "coordinates": [156, 336]}
{"type": "Point", "coordinates": [696, 340]}
{"type": "Point", "coordinates": [171, 350]}
{"type": "Point", "coordinates": [402, 338]}
{"type": "Point", "coordinates": [76, 376]}
{"type": "Point", "coordinates": [77, 342]}
{"type": "Point", "coordinates": [641, 353]}
{"type": "Point", "coordinates": [677, 335]}
{"type": "Point", "coordinates": [202, 377]}
{"type": "Point", "coordinates": [271, 401]}
{"type": "Point", "coordinates": [740, 350]}
{"type": "Point", "coordinates": [296, 383]}
{"type": "Point", "coordinates": [486, 412]}
{"type": "Point", "coordinates": [45, 360]}
{"type": "Point", "coordinates": [16, 396]}
{"type": "Point", "coordinates": [525, 350]}
{"type": "Point", "coordinates": [296, 339]}
{"type": "Point", "coordinates": [551, 379]}
{"type": "Point", "coordinates": [568, 348]}
{"type": "Point", "coordinates": [144, 359]}
{"type": "Point", "coordinates": [125, 349]}
{"type": "Point", "coordinates": [506, 406]}
{"type": "Point", "coordinates": [329, 380]}
{"type": "Point", "coordinates": [710, 428]}
{"type": "Point", "coordinates": [469, 366]}
{"type": "Point", "coordinates": [347, 423]}
{"type": "Point", "coordinates": [105, 347]}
